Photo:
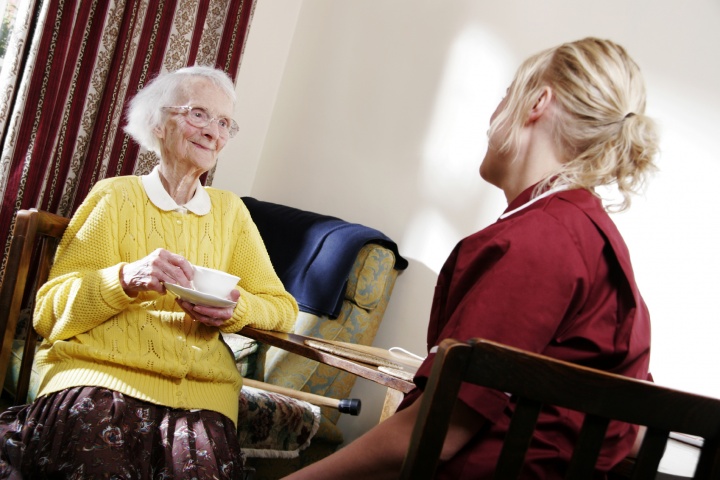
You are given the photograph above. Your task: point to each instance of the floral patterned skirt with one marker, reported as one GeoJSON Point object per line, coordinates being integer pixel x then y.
{"type": "Point", "coordinates": [95, 433]}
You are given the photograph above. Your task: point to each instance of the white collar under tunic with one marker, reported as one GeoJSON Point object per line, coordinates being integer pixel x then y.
{"type": "Point", "coordinates": [199, 204]}
{"type": "Point", "coordinates": [559, 188]}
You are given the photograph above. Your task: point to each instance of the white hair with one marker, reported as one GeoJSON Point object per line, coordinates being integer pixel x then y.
{"type": "Point", "coordinates": [144, 112]}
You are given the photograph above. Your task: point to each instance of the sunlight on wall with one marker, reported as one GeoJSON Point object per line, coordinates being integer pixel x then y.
{"type": "Point", "coordinates": [673, 242]}
{"type": "Point", "coordinates": [456, 143]}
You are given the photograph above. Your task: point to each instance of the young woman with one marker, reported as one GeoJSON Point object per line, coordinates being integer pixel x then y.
{"type": "Point", "coordinates": [552, 275]}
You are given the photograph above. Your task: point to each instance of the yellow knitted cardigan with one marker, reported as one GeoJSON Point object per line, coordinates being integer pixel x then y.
{"type": "Point", "coordinates": [147, 347]}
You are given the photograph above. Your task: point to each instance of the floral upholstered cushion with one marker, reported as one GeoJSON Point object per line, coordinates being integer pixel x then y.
{"type": "Point", "coordinates": [243, 349]}
{"type": "Point", "coordinates": [368, 278]}
{"type": "Point", "coordinates": [271, 425]}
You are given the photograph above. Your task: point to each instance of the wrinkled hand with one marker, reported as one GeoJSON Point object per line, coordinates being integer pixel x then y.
{"type": "Point", "coordinates": [151, 272]}
{"type": "Point", "coordinates": [211, 316]}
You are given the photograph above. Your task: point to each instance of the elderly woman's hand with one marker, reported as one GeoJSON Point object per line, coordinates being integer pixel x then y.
{"type": "Point", "coordinates": [211, 316]}
{"type": "Point", "coordinates": [151, 272]}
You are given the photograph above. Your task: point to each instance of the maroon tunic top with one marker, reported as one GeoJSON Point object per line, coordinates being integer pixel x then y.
{"type": "Point", "coordinates": [554, 278]}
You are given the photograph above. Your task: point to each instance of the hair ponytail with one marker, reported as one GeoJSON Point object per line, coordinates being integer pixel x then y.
{"type": "Point", "coordinates": [600, 126]}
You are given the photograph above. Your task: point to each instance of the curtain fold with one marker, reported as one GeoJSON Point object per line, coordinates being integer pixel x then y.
{"type": "Point", "coordinates": [70, 68]}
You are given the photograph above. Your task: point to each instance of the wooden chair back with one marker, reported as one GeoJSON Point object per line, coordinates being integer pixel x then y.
{"type": "Point", "coordinates": [32, 249]}
{"type": "Point", "coordinates": [536, 380]}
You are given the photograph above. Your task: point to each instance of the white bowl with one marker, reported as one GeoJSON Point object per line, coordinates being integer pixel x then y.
{"type": "Point", "coordinates": [214, 282]}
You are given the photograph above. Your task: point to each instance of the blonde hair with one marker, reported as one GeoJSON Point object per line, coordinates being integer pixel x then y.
{"type": "Point", "coordinates": [145, 112]}
{"type": "Point", "coordinates": [600, 126]}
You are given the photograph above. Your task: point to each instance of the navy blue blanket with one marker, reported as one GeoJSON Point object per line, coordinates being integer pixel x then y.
{"type": "Point", "coordinates": [312, 253]}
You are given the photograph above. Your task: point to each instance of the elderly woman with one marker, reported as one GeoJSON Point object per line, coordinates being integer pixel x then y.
{"type": "Point", "coordinates": [552, 275]}
{"type": "Point", "coordinates": [136, 383]}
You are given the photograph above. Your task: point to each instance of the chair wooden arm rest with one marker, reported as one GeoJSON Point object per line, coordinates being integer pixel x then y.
{"type": "Point", "coordinates": [295, 343]}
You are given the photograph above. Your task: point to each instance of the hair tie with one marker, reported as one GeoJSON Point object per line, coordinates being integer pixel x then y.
{"type": "Point", "coordinates": [631, 114]}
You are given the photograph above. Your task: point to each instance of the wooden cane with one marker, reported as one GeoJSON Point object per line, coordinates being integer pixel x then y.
{"type": "Point", "coordinates": [347, 405]}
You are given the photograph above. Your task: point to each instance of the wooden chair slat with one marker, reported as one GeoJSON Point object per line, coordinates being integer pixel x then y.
{"type": "Point", "coordinates": [587, 449]}
{"type": "Point", "coordinates": [651, 453]}
{"type": "Point", "coordinates": [708, 466]}
{"type": "Point", "coordinates": [434, 416]}
{"type": "Point", "coordinates": [518, 439]}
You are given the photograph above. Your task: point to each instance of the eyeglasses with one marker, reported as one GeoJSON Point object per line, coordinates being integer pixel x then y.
{"type": "Point", "coordinates": [199, 117]}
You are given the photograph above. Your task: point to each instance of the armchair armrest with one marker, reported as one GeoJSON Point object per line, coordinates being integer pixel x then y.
{"type": "Point", "coordinates": [295, 343]}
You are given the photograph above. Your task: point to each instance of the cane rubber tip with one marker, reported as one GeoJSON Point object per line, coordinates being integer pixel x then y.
{"type": "Point", "coordinates": [350, 405]}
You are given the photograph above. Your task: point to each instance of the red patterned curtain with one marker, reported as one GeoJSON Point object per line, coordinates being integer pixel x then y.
{"type": "Point", "coordinates": [69, 69]}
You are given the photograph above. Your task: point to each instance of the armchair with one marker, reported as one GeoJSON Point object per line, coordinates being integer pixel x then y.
{"type": "Point", "coordinates": [342, 276]}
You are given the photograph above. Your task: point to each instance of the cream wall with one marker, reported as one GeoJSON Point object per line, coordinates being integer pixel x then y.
{"type": "Point", "coordinates": [376, 112]}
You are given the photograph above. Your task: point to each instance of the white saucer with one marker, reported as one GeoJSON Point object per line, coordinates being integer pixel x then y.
{"type": "Point", "coordinates": [198, 298]}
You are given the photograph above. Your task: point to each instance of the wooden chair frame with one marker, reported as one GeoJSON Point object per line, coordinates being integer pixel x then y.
{"type": "Point", "coordinates": [35, 238]}
{"type": "Point", "coordinates": [536, 380]}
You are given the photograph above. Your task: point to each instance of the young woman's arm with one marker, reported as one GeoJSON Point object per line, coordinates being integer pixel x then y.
{"type": "Point", "coordinates": [380, 452]}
